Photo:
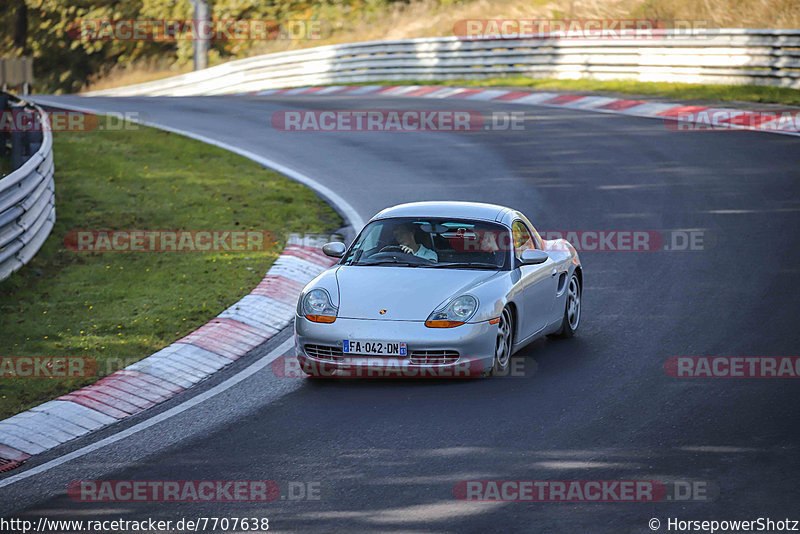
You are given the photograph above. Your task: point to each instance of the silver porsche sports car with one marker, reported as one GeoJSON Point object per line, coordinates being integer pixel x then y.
{"type": "Point", "coordinates": [437, 289]}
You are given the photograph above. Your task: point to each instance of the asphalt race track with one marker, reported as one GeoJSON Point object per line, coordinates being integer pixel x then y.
{"type": "Point", "coordinates": [386, 454]}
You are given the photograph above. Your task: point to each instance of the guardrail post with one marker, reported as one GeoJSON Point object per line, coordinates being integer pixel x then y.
{"type": "Point", "coordinates": [17, 137]}
{"type": "Point", "coordinates": [17, 150]}
{"type": "Point", "coordinates": [4, 107]}
{"type": "Point", "coordinates": [33, 141]}
{"type": "Point", "coordinates": [24, 141]}
{"type": "Point", "coordinates": [201, 19]}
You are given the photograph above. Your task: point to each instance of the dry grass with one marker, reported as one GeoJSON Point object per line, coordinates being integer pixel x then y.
{"type": "Point", "coordinates": [373, 20]}
{"type": "Point", "coordinates": [140, 72]}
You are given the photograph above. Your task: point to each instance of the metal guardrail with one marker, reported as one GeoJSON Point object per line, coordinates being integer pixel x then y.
{"type": "Point", "coordinates": [726, 56]}
{"type": "Point", "coordinates": [27, 194]}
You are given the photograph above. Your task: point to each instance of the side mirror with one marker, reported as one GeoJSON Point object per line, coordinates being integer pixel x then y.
{"type": "Point", "coordinates": [533, 256]}
{"type": "Point", "coordinates": [334, 250]}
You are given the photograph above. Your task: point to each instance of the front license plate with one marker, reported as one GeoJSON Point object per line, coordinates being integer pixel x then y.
{"type": "Point", "coordinates": [374, 348]}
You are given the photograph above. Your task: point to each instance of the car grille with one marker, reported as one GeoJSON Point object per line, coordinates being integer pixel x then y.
{"type": "Point", "coordinates": [331, 353]}
{"type": "Point", "coordinates": [434, 356]}
{"type": "Point", "coordinates": [324, 352]}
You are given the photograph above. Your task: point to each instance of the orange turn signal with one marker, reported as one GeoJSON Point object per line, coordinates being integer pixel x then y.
{"type": "Point", "coordinates": [443, 324]}
{"type": "Point", "coordinates": [494, 321]}
{"type": "Point", "coordinates": [321, 318]}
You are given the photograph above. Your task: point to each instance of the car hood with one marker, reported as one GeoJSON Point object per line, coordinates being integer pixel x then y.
{"type": "Point", "coordinates": [406, 293]}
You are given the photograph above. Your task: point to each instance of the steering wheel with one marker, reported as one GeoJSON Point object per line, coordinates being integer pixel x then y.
{"type": "Point", "coordinates": [392, 248]}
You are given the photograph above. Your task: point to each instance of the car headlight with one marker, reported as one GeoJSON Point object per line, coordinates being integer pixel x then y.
{"type": "Point", "coordinates": [455, 313]}
{"type": "Point", "coordinates": [316, 306]}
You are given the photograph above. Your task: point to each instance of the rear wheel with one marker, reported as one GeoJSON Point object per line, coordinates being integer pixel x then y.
{"type": "Point", "coordinates": [503, 344]}
{"type": "Point", "coordinates": [572, 311]}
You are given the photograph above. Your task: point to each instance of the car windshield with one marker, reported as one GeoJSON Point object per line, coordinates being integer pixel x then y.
{"type": "Point", "coordinates": [431, 243]}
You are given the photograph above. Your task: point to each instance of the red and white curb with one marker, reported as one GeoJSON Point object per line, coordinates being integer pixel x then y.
{"type": "Point", "coordinates": [703, 116]}
{"type": "Point", "coordinates": [250, 322]}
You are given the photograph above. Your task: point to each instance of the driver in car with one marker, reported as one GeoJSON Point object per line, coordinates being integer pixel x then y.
{"type": "Point", "coordinates": [404, 235]}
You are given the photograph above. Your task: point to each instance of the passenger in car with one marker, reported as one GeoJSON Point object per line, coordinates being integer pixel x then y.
{"type": "Point", "coordinates": [404, 235]}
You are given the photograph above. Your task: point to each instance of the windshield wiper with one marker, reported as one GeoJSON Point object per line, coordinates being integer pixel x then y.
{"type": "Point", "coordinates": [457, 265]}
{"type": "Point", "coordinates": [389, 262]}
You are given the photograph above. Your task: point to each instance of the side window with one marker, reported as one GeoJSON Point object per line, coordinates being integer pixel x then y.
{"type": "Point", "coordinates": [522, 238]}
{"type": "Point", "coordinates": [368, 241]}
{"type": "Point", "coordinates": [371, 239]}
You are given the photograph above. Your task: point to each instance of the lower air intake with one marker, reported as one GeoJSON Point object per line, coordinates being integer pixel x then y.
{"type": "Point", "coordinates": [324, 352]}
{"type": "Point", "coordinates": [434, 356]}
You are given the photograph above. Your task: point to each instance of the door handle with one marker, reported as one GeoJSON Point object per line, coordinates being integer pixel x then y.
{"type": "Point", "coordinates": [553, 272]}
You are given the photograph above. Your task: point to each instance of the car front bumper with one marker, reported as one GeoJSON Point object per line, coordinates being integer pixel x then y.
{"type": "Point", "coordinates": [459, 352]}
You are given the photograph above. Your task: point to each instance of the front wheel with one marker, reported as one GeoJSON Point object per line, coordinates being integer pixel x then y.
{"type": "Point", "coordinates": [503, 344]}
{"type": "Point", "coordinates": [572, 311]}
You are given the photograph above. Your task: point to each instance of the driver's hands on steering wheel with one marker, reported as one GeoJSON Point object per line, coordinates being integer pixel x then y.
{"type": "Point", "coordinates": [406, 249]}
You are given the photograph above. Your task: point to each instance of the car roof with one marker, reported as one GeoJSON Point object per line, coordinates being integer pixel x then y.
{"type": "Point", "coordinates": [456, 210]}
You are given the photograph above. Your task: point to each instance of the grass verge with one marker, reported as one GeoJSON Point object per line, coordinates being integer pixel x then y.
{"type": "Point", "coordinates": [119, 307]}
{"type": "Point", "coordinates": [682, 91]}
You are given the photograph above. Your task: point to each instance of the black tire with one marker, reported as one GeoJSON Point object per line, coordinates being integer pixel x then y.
{"type": "Point", "coordinates": [572, 316]}
{"type": "Point", "coordinates": [505, 336]}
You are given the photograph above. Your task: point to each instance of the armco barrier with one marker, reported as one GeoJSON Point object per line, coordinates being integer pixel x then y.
{"type": "Point", "coordinates": [27, 195]}
{"type": "Point", "coordinates": [724, 56]}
